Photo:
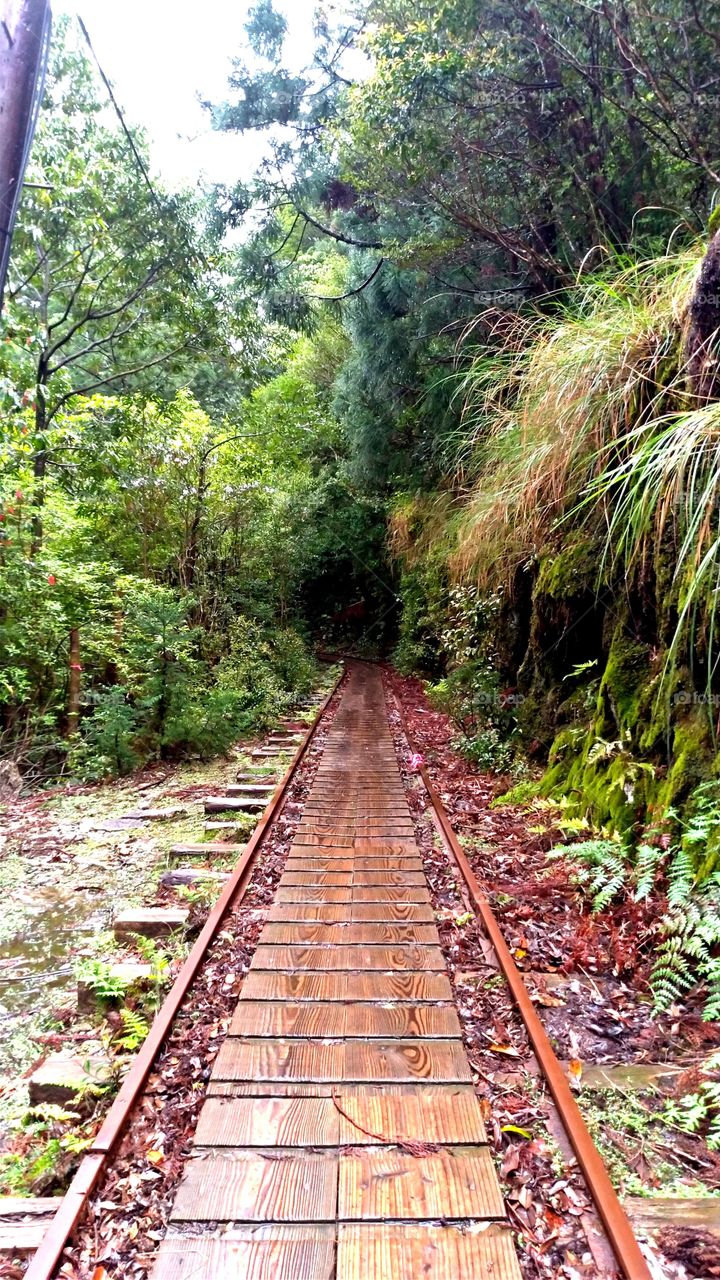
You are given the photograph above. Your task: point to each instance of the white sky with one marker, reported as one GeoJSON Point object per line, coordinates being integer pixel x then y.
{"type": "Point", "coordinates": [162, 55]}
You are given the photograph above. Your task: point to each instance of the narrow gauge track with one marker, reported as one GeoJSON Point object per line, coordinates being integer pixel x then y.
{"type": "Point", "coordinates": [341, 1135]}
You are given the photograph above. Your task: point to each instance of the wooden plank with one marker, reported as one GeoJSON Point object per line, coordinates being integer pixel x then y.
{"type": "Point", "coordinates": [269, 1122]}
{"type": "Point", "coordinates": [262, 985]}
{"type": "Point", "coordinates": [360, 958]}
{"type": "Point", "coordinates": [306, 893]}
{"type": "Point", "coordinates": [328, 1019]}
{"type": "Point", "coordinates": [327, 1089]}
{"type": "Point", "coordinates": [378, 1183]}
{"type": "Point", "coordinates": [289, 1018]}
{"type": "Point", "coordinates": [288, 911]}
{"type": "Point", "coordinates": [22, 1237]}
{"type": "Point", "coordinates": [246, 1059]}
{"type": "Point", "coordinates": [408, 1060]}
{"type": "Point", "coordinates": [386, 893]}
{"type": "Point", "coordinates": [314, 840]}
{"type": "Point", "coordinates": [336, 879]}
{"type": "Point", "coordinates": [335, 1060]}
{"type": "Point", "coordinates": [319, 864]}
{"type": "Point", "coordinates": [322, 934]}
{"type": "Point", "coordinates": [452, 1119]}
{"type": "Point", "coordinates": [402, 1021]}
{"type": "Point", "coordinates": [392, 911]}
{"type": "Point", "coordinates": [28, 1206]}
{"type": "Point", "coordinates": [389, 877]}
{"type": "Point", "coordinates": [411, 987]}
{"type": "Point", "coordinates": [255, 1186]}
{"type": "Point", "coordinates": [405, 1252]}
{"type": "Point", "coordinates": [255, 1253]}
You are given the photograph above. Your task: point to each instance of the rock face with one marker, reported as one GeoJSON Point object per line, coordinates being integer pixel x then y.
{"type": "Point", "coordinates": [703, 354]}
{"type": "Point", "coordinates": [65, 1077]}
{"type": "Point", "coordinates": [10, 780]}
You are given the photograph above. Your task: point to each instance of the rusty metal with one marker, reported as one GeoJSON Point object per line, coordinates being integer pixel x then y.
{"type": "Point", "coordinates": [45, 1261]}
{"type": "Point", "coordinates": [607, 1203]}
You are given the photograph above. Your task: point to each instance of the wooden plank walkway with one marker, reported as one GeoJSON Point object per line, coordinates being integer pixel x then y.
{"type": "Point", "coordinates": [341, 1138]}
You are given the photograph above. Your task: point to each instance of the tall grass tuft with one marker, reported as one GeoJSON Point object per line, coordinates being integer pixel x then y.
{"type": "Point", "coordinates": [554, 416]}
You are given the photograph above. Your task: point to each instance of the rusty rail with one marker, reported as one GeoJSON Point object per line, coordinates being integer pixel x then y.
{"type": "Point", "coordinates": [47, 1257]}
{"type": "Point", "coordinates": [605, 1198]}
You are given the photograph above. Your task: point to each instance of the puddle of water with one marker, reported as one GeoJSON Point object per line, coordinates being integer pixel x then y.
{"type": "Point", "coordinates": [37, 958]}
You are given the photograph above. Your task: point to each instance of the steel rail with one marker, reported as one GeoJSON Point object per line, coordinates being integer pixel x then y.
{"type": "Point", "coordinates": [47, 1257]}
{"type": "Point", "coordinates": [605, 1198]}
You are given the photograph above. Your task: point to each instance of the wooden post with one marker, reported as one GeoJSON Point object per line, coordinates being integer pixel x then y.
{"type": "Point", "coordinates": [24, 33]}
{"type": "Point", "coordinates": [74, 670]}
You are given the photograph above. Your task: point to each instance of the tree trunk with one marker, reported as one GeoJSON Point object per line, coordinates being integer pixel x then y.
{"type": "Point", "coordinates": [75, 667]}
{"type": "Point", "coordinates": [23, 35]}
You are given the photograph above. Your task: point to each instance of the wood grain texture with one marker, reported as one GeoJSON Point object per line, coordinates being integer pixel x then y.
{"type": "Point", "coordinates": [257, 1186]}
{"type": "Point", "coordinates": [386, 893]}
{"type": "Point", "coordinates": [247, 1059]}
{"type": "Point", "coordinates": [268, 1122]}
{"type": "Point", "coordinates": [411, 1060]}
{"type": "Point", "coordinates": [411, 987]}
{"type": "Point", "coordinates": [332, 1020]}
{"type": "Point", "coordinates": [401, 1021]}
{"type": "Point", "coordinates": [262, 985]}
{"type": "Point", "coordinates": [380, 1183]}
{"type": "Point", "coordinates": [288, 911]}
{"type": "Point", "coordinates": [310, 933]}
{"type": "Point", "coordinates": [391, 911]}
{"type": "Point", "coordinates": [308, 1019]}
{"type": "Point", "coordinates": [399, 1251]}
{"type": "Point", "coordinates": [307, 894]}
{"type": "Point", "coordinates": [260, 1253]}
{"type": "Point", "coordinates": [370, 958]}
{"type": "Point", "coordinates": [422, 1116]}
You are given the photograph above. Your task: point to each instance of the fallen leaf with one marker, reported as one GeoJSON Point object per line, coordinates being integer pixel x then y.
{"type": "Point", "coordinates": [505, 1048]}
{"type": "Point", "coordinates": [575, 1070]}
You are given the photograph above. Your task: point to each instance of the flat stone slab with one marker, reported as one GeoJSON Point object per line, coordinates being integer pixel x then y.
{"type": "Point", "coordinates": [64, 1077]}
{"type": "Point", "coordinates": [193, 875]}
{"type": "Point", "coordinates": [150, 922]}
{"type": "Point", "coordinates": [653, 1213]}
{"type": "Point", "coordinates": [155, 815]}
{"type": "Point", "coordinates": [211, 848]}
{"type": "Point", "coordinates": [219, 804]}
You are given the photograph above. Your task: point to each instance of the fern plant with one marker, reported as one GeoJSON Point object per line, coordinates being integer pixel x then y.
{"type": "Point", "coordinates": [699, 1110]}
{"type": "Point", "coordinates": [99, 977]}
{"type": "Point", "coordinates": [602, 866]}
{"type": "Point", "coordinates": [134, 1030]}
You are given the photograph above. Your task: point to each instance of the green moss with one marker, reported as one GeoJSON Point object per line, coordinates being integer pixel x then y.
{"type": "Point", "coordinates": [692, 760]}
{"type": "Point", "coordinates": [570, 571]}
{"type": "Point", "coordinates": [623, 688]}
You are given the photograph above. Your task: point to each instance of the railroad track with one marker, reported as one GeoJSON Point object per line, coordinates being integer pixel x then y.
{"type": "Point", "coordinates": [341, 1135]}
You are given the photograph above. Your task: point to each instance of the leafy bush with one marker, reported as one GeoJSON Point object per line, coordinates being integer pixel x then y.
{"type": "Point", "coordinates": [106, 745]}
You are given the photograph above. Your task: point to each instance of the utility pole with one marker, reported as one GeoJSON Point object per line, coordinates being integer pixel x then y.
{"type": "Point", "coordinates": [24, 40]}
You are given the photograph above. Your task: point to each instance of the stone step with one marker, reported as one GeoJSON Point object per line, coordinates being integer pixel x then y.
{"type": "Point", "coordinates": [65, 1077]}
{"type": "Point", "coordinates": [261, 753]}
{"type": "Point", "coordinates": [210, 849]}
{"type": "Point", "coordinates": [255, 779]}
{"type": "Point", "coordinates": [219, 804]}
{"type": "Point", "coordinates": [149, 922]}
{"type": "Point", "coordinates": [628, 1075]}
{"type": "Point", "coordinates": [155, 815]}
{"type": "Point", "coordinates": [653, 1213]}
{"type": "Point", "coordinates": [193, 875]}
{"type": "Point", "coordinates": [227, 824]}
{"type": "Point", "coordinates": [134, 975]}
{"type": "Point", "coordinates": [251, 790]}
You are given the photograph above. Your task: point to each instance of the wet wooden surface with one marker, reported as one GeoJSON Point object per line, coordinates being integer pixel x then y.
{"type": "Point", "coordinates": [344, 1047]}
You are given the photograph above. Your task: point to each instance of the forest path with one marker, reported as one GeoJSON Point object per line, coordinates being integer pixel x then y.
{"type": "Point", "coordinates": [341, 1135]}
